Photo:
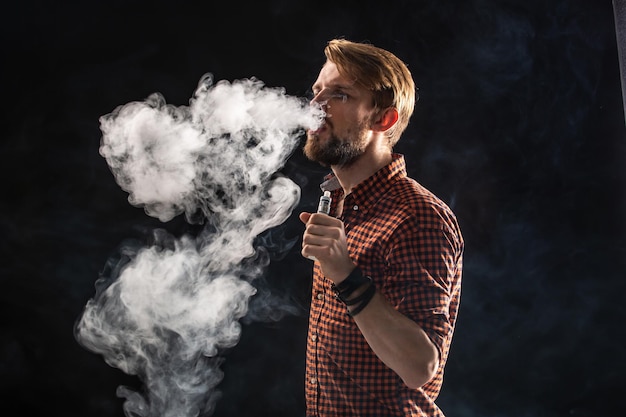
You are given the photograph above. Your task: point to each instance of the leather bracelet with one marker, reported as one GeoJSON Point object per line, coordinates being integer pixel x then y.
{"type": "Point", "coordinates": [364, 299]}
{"type": "Point", "coordinates": [361, 296]}
{"type": "Point", "coordinates": [346, 287]}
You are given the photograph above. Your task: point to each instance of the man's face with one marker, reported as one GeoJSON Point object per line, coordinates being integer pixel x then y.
{"type": "Point", "coordinates": [345, 134]}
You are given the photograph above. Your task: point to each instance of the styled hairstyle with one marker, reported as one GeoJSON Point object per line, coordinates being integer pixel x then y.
{"type": "Point", "coordinates": [380, 72]}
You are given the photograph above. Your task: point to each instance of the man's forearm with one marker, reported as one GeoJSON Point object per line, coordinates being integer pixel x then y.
{"type": "Point", "coordinates": [398, 341]}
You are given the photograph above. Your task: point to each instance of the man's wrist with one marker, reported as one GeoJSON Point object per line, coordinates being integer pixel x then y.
{"type": "Point", "coordinates": [355, 290]}
{"type": "Point", "coordinates": [350, 284]}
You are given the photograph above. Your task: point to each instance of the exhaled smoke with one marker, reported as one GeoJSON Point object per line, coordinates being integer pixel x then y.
{"type": "Point", "coordinates": [165, 312]}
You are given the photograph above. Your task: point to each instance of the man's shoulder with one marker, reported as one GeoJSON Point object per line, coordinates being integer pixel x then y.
{"type": "Point", "coordinates": [417, 201]}
{"type": "Point", "coordinates": [411, 192]}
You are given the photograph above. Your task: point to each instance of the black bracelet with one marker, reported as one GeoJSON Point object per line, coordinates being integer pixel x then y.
{"type": "Point", "coordinates": [346, 287]}
{"type": "Point", "coordinates": [363, 298]}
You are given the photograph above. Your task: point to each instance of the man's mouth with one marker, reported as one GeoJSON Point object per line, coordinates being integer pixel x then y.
{"type": "Point", "coordinates": [320, 129]}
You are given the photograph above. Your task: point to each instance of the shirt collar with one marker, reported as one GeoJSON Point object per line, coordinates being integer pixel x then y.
{"type": "Point", "coordinates": [370, 189]}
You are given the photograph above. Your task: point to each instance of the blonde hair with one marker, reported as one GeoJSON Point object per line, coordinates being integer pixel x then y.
{"type": "Point", "coordinates": [380, 72]}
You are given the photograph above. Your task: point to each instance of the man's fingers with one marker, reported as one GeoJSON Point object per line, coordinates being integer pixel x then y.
{"type": "Point", "coordinates": [304, 217]}
{"type": "Point", "coordinates": [323, 219]}
{"type": "Point", "coordinates": [328, 232]}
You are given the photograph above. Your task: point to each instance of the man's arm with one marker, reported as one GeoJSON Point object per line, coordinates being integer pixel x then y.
{"type": "Point", "coordinates": [398, 341]}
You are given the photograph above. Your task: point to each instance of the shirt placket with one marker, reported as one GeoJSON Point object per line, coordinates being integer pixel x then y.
{"type": "Point", "coordinates": [350, 209]}
{"type": "Point", "coordinates": [319, 299]}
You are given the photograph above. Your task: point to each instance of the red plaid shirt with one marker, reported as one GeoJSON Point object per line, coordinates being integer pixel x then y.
{"type": "Point", "coordinates": [409, 242]}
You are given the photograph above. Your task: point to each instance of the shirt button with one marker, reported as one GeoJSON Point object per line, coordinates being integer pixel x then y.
{"type": "Point", "coordinates": [314, 337]}
{"type": "Point", "coordinates": [313, 381]}
{"type": "Point", "coordinates": [320, 296]}
{"type": "Point", "coordinates": [355, 207]}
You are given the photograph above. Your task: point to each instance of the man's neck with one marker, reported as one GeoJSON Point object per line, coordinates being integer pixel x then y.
{"type": "Point", "coordinates": [364, 167]}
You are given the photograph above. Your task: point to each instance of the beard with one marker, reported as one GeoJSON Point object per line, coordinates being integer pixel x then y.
{"type": "Point", "coordinates": [336, 151]}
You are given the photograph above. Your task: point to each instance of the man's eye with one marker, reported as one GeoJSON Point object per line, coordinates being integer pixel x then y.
{"type": "Point", "coordinates": [339, 96]}
{"type": "Point", "coordinates": [324, 96]}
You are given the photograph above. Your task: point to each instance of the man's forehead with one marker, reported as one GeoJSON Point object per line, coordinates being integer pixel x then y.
{"type": "Point", "coordinates": [329, 77]}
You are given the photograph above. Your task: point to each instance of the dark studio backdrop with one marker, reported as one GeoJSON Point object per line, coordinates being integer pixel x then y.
{"type": "Point", "coordinates": [519, 127]}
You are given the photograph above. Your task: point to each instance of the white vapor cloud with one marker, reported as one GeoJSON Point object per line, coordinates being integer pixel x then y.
{"type": "Point", "coordinates": [166, 311]}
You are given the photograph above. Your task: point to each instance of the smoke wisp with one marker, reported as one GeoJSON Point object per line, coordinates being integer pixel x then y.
{"type": "Point", "coordinates": [164, 312]}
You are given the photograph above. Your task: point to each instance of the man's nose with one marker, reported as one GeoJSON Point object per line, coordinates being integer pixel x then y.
{"type": "Point", "coordinates": [319, 99]}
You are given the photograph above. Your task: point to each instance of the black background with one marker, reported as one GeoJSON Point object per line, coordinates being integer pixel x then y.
{"type": "Point", "coordinates": [519, 127]}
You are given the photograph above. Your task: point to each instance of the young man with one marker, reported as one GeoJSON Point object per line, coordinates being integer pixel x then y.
{"type": "Point", "coordinates": [387, 274]}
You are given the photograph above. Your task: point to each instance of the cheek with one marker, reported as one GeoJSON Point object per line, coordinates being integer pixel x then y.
{"type": "Point", "coordinates": [368, 116]}
{"type": "Point", "coordinates": [348, 119]}
{"type": "Point", "coordinates": [341, 116]}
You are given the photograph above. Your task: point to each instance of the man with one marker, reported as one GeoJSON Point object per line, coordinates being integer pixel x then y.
{"type": "Point", "coordinates": [387, 274]}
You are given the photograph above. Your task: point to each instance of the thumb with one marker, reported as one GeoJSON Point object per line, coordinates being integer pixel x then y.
{"type": "Point", "coordinates": [304, 217]}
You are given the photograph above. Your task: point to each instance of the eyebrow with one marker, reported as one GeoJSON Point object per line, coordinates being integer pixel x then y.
{"type": "Point", "coordinates": [344, 87]}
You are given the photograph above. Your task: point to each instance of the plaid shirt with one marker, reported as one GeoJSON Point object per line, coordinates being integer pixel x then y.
{"type": "Point", "coordinates": [409, 242]}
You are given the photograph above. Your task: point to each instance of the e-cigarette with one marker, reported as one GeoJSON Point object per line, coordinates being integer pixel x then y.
{"type": "Point", "coordinates": [324, 204]}
{"type": "Point", "coordinates": [323, 207]}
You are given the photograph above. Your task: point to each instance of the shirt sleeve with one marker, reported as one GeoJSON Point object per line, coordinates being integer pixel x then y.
{"type": "Point", "coordinates": [421, 278]}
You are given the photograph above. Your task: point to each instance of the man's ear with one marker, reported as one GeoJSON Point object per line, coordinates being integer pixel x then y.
{"type": "Point", "coordinates": [387, 118]}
